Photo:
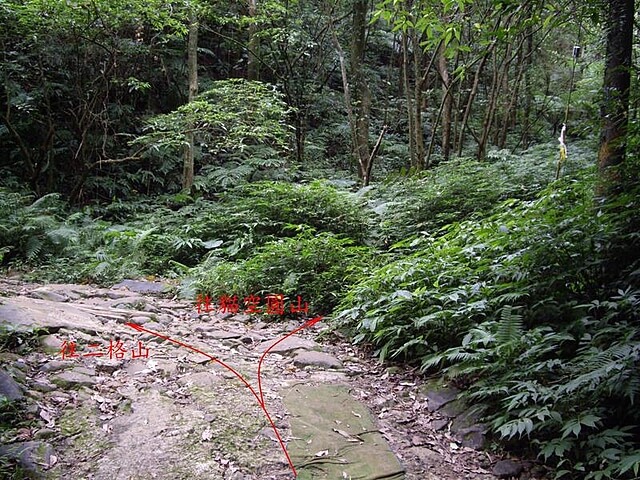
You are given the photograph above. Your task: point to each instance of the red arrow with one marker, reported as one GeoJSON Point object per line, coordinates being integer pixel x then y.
{"type": "Point", "coordinates": [259, 398]}
{"type": "Point", "coordinates": [309, 323]}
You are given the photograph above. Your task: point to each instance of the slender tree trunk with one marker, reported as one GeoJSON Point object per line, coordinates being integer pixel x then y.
{"type": "Point", "coordinates": [617, 82]}
{"type": "Point", "coordinates": [509, 117]}
{"type": "Point", "coordinates": [497, 82]}
{"type": "Point", "coordinates": [447, 104]}
{"type": "Point", "coordinates": [472, 96]}
{"type": "Point", "coordinates": [417, 97]}
{"type": "Point", "coordinates": [528, 91]}
{"type": "Point", "coordinates": [253, 65]}
{"type": "Point", "coordinates": [192, 65]}
{"type": "Point", "coordinates": [409, 99]}
{"type": "Point", "coordinates": [361, 92]}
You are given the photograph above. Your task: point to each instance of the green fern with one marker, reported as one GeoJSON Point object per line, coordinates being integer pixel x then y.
{"type": "Point", "coordinates": [510, 327]}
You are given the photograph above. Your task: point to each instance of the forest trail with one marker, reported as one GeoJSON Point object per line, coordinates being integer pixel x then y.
{"type": "Point", "coordinates": [172, 413]}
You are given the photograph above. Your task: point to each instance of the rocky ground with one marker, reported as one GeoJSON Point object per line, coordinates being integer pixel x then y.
{"type": "Point", "coordinates": [158, 409]}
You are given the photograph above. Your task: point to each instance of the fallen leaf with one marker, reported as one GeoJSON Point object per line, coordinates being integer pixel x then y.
{"type": "Point", "coordinates": [207, 434]}
{"type": "Point", "coordinates": [346, 435]}
{"type": "Point", "coordinates": [47, 416]}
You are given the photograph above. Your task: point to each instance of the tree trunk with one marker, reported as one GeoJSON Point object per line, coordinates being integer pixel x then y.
{"type": "Point", "coordinates": [617, 82]}
{"type": "Point", "coordinates": [447, 104]}
{"type": "Point", "coordinates": [528, 91]}
{"type": "Point", "coordinates": [361, 93]}
{"type": "Point", "coordinates": [192, 65]}
{"type": "Point", "coordinates": [417, 100]}
{"type": "Point", "coordinates": [472, 96]}
{"type": "Point", "coordinates": [253, 66]}
{"type": "Point", "coordinates": [409, 99]}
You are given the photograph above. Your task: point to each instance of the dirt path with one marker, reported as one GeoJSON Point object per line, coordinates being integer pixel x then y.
{"type": "Point", "coordinates": [172, 413]}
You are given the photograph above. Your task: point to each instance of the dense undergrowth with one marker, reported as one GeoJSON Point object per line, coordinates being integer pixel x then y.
{"type": "Point", "coordinates": [535, 308]}
{"type": "Point", "coordinates": [522, 290]}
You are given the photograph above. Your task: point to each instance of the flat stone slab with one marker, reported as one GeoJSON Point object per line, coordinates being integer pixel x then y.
{"type": "Point", "coordinates": [142, 286]}
{"type": "Point", "coordinates": [45, 294]}
{"type": "Point", "coordinates": [333, 436]}
{"type": "Point", "coordinates": [23, 313]}
{"type": "Point", "coordinates": [288, 345]}
{"type": "Point", "coordinates": [222, 334]}
{"type": "Point", "coordinates": [73, 379]}
{"type": "Point", "coordinates": [9, 388]}
{"type": "Point", "coordinates": [200, 379]}
{"type": "Point", "coordinates": [55, 365]}
{"type": "Point", "coordinates": [316, 359]}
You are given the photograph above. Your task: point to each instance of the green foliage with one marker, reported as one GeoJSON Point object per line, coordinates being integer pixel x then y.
{"type": "Point", "coordinates": [232, 116]}
{"type": "Point", "coordinates": [316, 266]}
{"type": "Point", "coordinates": [536, 309]}
{"type": "Point", "coordinates": [124, 239]}
{"type": "Point", "coordinates": [438, 197]}
{"type": "Point", "coordinates": [32, 230]}
{"type": "Point", "coordinates": [12, 340]}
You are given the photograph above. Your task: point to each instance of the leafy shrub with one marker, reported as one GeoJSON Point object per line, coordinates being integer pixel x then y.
{"type": "Point", "coordinates": [536, 308]}
{"type": "Point", "coordinates": [135, 238]}
{"type": "Point", "coordinates": [318, 205]}
{"type": "Point", "coordinates": [240, 124]}
{"type": "Point", "coordinates": [316, 266]}
{"type": "Point", "coordinates": [32, 230]}
{"type": "Point", "coordinates": [462, 188]}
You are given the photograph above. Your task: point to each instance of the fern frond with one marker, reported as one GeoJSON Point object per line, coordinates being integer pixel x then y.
{"type": "Point", "coordinates": [62, 236]}
{"type": "Point", "coordinates": [510, 327]}
{"type": "Point", "coordinates": [33, 247]}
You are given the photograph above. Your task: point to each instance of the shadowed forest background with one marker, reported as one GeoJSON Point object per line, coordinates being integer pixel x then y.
{"type": "Point", "coordinates": [453, 183]}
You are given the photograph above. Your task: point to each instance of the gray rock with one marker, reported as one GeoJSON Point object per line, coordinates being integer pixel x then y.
{"type": "Point", "coordinates": [452, 409]}
{"type": "Point", "coordinates": [45, 294]}
{"type": "Point", "coordinates": [473, 439]}
{"type": "Point", "coordinates": [73, 379]}
{"type": "Point", "coordinates": [467, 421]}
{"type": "Point", "coordinates": [439, 424]}
{"type": "Point", "coordinates": [84, 371]}
{"type": "Point", "coordinates": [43, 386]}
{"type": "Point", "coordinates": [142, 286]}
{"type": "Point", "coordinates": [150, 308]}
{"type": "Point", "coordinates": [108, 366]}
{"type": "Point", "coordinates": [114, 295]}
{"type": "Point", "coordinates": [51, 343]}
{"type": "Point", "coordinates": [200, 379]}
{"type": "Point", "coordinates": [55, 366]}
{"type": "Point", "coordinates": [242, 318]}
{"type": "Point", "coordinates": [129, 303]}
{"type": "Point", "coordinates": [140, 320]}
{"type": "Point", "coordinates": [316, 359]}
{"type": "Point", "coordinates": [9, 388]}
{"type": "Point", "coordinates": [439, 398]}
{"type": "Point", "coordinates": [426, 455]}
{"type": "Point", "coordinates": [507, 469]}
{"type": "Point", "coordinates": [21, 364]}
{"type": "Point", "coordinates": [288, 345]}
{"type": "Point", "coordinates": [31, 455]}
{"type": "Point", "coordinates": [221, 334]}
{"type": "Point", "coordinates": [25, 314]}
